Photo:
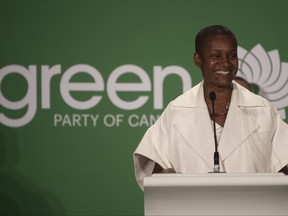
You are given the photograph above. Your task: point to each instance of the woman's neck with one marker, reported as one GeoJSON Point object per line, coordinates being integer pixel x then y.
{"type": "Point", "coordinates": [221, 103]}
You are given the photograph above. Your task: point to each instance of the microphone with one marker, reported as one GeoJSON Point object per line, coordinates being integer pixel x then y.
{"type": "Point", "coordinates": [216, 154]}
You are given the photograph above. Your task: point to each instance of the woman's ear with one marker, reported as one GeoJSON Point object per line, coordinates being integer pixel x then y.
{"type": "Point", "coordinates": [197, 59]}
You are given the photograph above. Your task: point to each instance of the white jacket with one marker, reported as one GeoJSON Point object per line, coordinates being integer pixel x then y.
{"type": "Point", "coordinates": [254, 138]}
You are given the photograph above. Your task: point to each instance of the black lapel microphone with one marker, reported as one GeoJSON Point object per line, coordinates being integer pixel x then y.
{"type": "Point", "coordinates": [216, 154]}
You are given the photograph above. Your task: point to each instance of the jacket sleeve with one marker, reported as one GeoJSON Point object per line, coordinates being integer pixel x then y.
{"type": "Point", "coordinates": [152, 148]}
{"type": "Point", "coordinates": [280, 145]}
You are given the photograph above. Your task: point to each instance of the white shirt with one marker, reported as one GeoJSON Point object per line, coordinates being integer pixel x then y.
{"type": "Point", "coordinates": [254, 137]}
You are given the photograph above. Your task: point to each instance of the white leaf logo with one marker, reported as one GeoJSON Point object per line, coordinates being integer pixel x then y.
{"type": "Point", "coordinates": [268, 73]}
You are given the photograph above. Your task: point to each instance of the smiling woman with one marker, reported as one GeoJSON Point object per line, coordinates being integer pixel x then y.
{"type": "Point", "coordinates": [180, 140]}
{"type": "Point", "coordinates": [216, 56]}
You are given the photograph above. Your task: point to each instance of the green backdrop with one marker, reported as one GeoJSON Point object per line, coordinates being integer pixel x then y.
{"type": "Point", "coordinates": [61, 156]}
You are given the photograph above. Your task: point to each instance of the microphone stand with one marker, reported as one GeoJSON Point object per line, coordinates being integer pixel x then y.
{"type": "Point", "coordinates": [216, 168]}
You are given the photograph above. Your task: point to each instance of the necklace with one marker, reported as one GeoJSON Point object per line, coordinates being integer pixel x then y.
{"type": "Point", "coordinates": [224, 112]}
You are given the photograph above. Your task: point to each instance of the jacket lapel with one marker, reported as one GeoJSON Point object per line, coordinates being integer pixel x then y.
{"type": "Point", "coordinates": [198, 133]}
{"type": "Point", "coordinates": [197, 129]}
{"type": "Point", "coordinates": [239, 125]}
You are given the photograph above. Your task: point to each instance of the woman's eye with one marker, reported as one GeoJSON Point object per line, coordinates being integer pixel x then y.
{"type": "Point", "coordinates": [215, 56]}
{"type": "Point", "coordinates": [233, 55]}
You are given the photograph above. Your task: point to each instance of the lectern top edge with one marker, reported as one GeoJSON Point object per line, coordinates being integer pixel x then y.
{"type": "Point", "coordinates": [215, 179]}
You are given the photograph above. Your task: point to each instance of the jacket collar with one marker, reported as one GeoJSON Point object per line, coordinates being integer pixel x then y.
{"type": "Point", "coordinates": [241, 97]}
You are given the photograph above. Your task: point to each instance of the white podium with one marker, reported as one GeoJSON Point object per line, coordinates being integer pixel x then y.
{"type": "Point", "coordinates": [216, 194]}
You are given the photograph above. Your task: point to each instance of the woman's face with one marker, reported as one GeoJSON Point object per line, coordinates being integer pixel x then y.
{"type": "Point", "coordinates": [218, 60]}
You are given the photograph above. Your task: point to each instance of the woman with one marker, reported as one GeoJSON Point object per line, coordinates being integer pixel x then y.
{"type": "Point", "coordinates": [251, 136]}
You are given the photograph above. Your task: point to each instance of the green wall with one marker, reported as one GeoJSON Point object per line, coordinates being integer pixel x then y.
{"type": "Point", "coordinates": [58, 160]}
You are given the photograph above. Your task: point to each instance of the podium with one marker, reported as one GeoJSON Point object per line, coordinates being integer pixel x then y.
{"type": "Point", "coordinates": [216, 194]}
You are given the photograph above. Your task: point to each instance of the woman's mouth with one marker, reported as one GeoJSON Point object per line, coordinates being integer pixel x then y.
{"type": "Point", "coordinates": [222, 72]}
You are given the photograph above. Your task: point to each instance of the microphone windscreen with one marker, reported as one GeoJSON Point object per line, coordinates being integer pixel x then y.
{"type": "Point", "coordinates": [212, 96]}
